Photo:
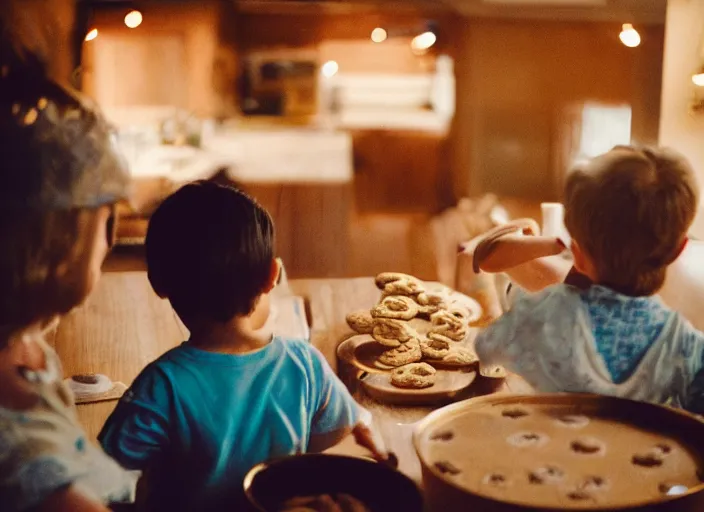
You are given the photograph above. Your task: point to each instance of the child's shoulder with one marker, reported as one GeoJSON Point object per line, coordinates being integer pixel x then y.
{"type": "Point", "coordinates": [558, 295]}
{"type": "Point", "coordinates": [299, 348]}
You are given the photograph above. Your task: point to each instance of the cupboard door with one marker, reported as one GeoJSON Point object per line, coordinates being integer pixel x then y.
{"type": "Point", "coordinates": [131, 70]}
{"type": "Point", "coordinates": [397, 172]}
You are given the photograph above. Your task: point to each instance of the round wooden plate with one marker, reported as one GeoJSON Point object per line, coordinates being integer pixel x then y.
{"type": "Point", "coordinates": [448, 385]}
{"type": "Point", "coordinates": [362, 351]}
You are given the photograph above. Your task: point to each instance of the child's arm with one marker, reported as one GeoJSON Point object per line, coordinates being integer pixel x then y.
{"type": "Point", "coordinates": [532, 262]}
{"type": "Point", "coordinates": [137, 431]}
{"type": "Point", "coordinates": [511, 251]}
{"type": "Point", "coordinates": [337, 414]}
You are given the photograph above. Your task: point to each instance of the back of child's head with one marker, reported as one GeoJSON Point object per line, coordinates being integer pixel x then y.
{"type": "Point", "coordinates": [209, 250]}
{"type": "Point", "coordinates": [629, 211]}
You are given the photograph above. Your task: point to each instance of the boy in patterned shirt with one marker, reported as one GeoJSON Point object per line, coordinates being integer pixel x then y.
{"type": "Point", "coordinates": [605, 331]}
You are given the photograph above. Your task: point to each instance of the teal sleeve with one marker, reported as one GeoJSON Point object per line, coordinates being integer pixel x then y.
{"type": "Point", "coordinates": [138, 430]}
{"type": "Point", "coordinates": [335, 409]}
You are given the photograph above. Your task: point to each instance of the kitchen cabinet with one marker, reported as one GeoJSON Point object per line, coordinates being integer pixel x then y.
{"type": "Point", "coordinates": [400, 171]}
{"type": "Point", "coordinates": [312, 225]}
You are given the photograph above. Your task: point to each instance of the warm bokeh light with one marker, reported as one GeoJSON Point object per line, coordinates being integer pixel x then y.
{"type": "Point", "coordinates": [629, 36]}
{"type": "Point", "coordinates": [423, 41]}
{"type": "Point", "coordinates": [330, 69]}
{"type": "Point", "coordinates": [379, 35]}
{"type": "Point", "coordinates": [698, 79]}
{"type": "Point", "coordinates": [92, 34]}
{"type": "Point", "coordinates": [133, 19]}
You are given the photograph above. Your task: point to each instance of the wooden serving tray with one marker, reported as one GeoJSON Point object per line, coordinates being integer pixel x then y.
{"type": "Point", "coordinates": [449, 384]}
{"type": "Point", "coordinates": [361, 351]}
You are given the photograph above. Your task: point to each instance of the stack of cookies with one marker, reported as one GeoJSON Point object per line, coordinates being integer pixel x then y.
{"type": "Point", "coordinates": [409, 344]}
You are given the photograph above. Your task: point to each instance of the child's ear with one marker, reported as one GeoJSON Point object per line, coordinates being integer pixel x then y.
{"type": "Point", "coordinates": [580, 261]}
{"type": "Point", "coordinates": [274, 273]}
{"type": "Point", "coordinates": [576, 253]}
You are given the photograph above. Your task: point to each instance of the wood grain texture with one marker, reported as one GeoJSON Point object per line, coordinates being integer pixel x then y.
{"type": "Point", "coordinates": [124, 326]}
{"type": "Point", "coordinates": [516, 80]}
{"type": "Point", "coordinates": [120, 329]}
{"type": "Point", "coordinates": [399, 172]}
{"type": "Point", "coordinates": [312, 226]}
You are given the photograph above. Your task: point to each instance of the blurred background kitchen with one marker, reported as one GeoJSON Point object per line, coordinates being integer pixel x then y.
{"type": "Point", "coordinates": [380, 134]}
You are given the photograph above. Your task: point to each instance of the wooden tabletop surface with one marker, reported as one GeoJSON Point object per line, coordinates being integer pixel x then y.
{"type": "Point", "coordinates": [124, 326]}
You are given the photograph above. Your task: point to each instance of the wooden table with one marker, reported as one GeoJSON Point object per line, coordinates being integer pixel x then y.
{"type": "Point", "coordinates": [124, 326]}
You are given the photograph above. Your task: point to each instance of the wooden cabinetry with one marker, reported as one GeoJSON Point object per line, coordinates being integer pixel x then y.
{"type": "Point", "coordinates": [400, 172]}
{"type": "Point", "coordinates": [312, 225]}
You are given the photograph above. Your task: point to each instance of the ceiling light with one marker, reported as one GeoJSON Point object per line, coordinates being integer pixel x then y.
{"type": "Point", "coordinates": [379, 35]}
{"type": "Point", "coordinates": [629, 36]}
{"type": "Point", "coordinates": [92, 34]}
{"type": "Point", "coordinates": [330, 69]}
{"type": "Point", "coordinates": [133, 19]}
{"type": "Point", "coordinates": [423, 41]}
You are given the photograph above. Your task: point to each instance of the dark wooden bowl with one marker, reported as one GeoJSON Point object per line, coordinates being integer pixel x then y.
{"type": "Point", "coordinates": [382, 489]}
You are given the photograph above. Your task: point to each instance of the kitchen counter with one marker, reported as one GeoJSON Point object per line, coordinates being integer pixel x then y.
{"type": "Point", "coordinates": [279, 155]}
{"type": "Point", "coordinates": [303, 177]}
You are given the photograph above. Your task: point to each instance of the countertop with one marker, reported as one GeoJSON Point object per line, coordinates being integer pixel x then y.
{"type": "Point", "coordinates": [253, 155]}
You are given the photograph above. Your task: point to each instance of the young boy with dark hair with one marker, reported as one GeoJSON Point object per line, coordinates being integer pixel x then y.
{"type": "Point", "coordinates": [604, 331]}
{"type": "Point", "coordinates": [199, 417]}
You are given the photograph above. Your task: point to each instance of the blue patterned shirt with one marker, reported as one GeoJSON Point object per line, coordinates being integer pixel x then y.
{"type": "Point", "coordinates": [594, 340]}
{"type": "Point", "coordinates": [623, 327]}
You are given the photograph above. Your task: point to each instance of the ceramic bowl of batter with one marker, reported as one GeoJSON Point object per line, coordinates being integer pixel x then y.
{"type": "Point", "coordinates": [378, 487]}
{"type": "Point", "coordinates": [561, 452]}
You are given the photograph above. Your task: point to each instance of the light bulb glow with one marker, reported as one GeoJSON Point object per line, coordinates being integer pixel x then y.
{"type": "Point", "coordinates": [330, 69]}
{"type": "Point", "coordinates": [423, 41]}
{"type": "Point", "coordinates": [698, 79]}
{"type": "Point", "coordinates": [379, 35]}
{"type": "Point", "coordinates": [92, 34]}
{"type": "Point", "coordinates": [133, 19]}
{"type": "Point", "coordinates": [629, 36]}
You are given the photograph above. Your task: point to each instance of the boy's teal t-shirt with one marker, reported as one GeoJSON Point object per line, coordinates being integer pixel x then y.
{"type": "Point", "coordinates": [198, 421]}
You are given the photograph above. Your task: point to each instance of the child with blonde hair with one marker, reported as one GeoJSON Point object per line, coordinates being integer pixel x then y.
{"type": "Point", "coordinates": [605, 330]}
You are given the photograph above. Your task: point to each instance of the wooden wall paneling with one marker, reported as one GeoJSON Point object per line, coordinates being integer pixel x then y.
{"type": "Point", "coordinates": [140, 70]}
{"type": "Point", "coordinates": [514, 77]}
{"type": "Point", "coordinates": [309, 29]}
{"type": "Point", "coordinates": [321, 216]}
{"type": "Point", "coordinates": [195, 23]}
{"type": "Point", "coordinates": [312, 225]}
{"type": "Point", "coordinates": [646, 86]}
{"type": "Point", "coordinates": [460, 151]}
{"type": "Point", "coordinates": [394, 56]}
